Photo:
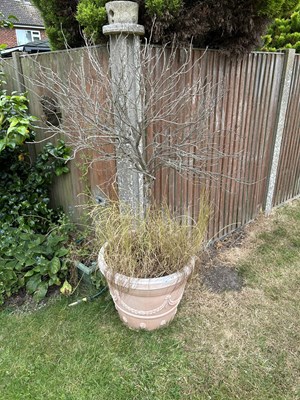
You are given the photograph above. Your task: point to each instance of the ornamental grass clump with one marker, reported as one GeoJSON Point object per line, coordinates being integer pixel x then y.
{"type": "Point", "coordinates": [153, 245]}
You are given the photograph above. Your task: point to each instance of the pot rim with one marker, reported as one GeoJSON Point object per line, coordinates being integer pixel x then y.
{"type": "Point", "coordinates": [144, 283]}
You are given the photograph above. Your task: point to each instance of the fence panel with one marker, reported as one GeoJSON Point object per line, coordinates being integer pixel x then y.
{"type": "Point", "coordinates": [288, 178]}
{"type": "Point", "coordinates": [242, 125]}
{"type": "Point", "coordinates": [42, 75]}
{"type": "Point", "coordinates": [7, 66]}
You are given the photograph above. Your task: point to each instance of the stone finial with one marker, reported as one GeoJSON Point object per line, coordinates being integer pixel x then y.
{"type": "Point", "coordinates": [122, 18]}
{"type": "Point", "coordinates": [122, 12]}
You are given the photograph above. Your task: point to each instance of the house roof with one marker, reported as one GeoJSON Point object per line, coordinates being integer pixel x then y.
{"type": "Point", "coordinates": [38, 46]}
{"type": "Point", "coordinates": [24, 10]}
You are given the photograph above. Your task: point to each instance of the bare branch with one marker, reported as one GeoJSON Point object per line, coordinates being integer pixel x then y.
{"type": "Point", "coordinates": [177, 101]}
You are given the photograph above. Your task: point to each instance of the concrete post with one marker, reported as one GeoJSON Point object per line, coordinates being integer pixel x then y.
{"type": "Point", "coordinates": [125, 68]}
{"type": "Point", "coordinates": [279, 125]}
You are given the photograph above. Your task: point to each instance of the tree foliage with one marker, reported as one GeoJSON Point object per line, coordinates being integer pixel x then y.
{"type": "Point", "coordinates": [91, 15]}
{"type": "Point", "coordinates": [62, 28]}
{"type": "Point", "coordinates": [284, 33]}
{"type": "Point", "coordinates": [229, 24]}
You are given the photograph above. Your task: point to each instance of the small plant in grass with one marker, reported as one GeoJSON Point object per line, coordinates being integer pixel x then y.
{"type": "Point", "coordinates": [153, 245]}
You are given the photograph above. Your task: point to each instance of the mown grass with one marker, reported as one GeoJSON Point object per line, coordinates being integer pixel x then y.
{"type": "Point", "coordinates": [234, 345]}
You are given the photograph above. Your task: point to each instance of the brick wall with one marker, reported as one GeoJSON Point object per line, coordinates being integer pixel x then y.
{"type": "Point", "coordinates": [8, 36]}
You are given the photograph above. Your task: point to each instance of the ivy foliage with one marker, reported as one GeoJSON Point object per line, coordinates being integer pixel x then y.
{"type": "Point", "coordinates": [33, 237]}
{"type": "Point", "coordinates": [284, 33]}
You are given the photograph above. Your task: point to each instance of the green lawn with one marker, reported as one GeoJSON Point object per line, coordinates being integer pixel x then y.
{"type": "Point", "coordinates": [234, 345]}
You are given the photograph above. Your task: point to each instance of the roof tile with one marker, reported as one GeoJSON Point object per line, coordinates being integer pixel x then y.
{"type": "Point", "coordinates": [24, 10]}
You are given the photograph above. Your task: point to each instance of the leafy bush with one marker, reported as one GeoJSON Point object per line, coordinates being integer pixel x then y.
{"type": "Point", "coordinates": [15, 123]}
{"type": "Point", "coordinates": [284, 33]}
{"type": "Point", "coordinates": [235, 26]}
{"type": "Point", "coordinates": [24, 186]}
{"type": "Point", "coordinates": [61, 26]}
{"type": "Point", "coordinates": [32, 260]}
{"type": "Point", "coordinates": [32, 235]}
{"type": "Point", "coordinates": [161, 7]}
{"type": "Point", "coordinates": [92, 10]}
{"type": "Point", "coordinates": [6, 23]}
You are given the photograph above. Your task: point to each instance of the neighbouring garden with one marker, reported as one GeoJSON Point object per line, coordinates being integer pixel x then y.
{"type": "Point", "coordinates": [241, 344]}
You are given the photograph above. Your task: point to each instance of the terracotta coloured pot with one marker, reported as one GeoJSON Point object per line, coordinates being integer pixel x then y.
{"type": "Point", "coordinates": [146, 303]}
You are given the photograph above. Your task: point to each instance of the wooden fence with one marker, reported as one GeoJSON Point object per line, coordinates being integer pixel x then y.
{"type": "Point", "coordinates": [288, 179]}
{"type": "Point", "coordinates": [245, 123]}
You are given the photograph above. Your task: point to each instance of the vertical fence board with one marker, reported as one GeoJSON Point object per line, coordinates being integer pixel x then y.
{"type": "Point", "coordinates": [242, 124]}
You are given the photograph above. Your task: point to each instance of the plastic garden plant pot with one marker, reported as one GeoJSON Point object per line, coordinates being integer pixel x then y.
{"type": "Point", "coordinates": [146, 303]}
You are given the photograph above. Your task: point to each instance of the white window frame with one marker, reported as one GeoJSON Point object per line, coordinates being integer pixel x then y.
{"type": "Point", "coordinates": [35, 34]}
{"type": "Point", "coordinates": [22, 33]}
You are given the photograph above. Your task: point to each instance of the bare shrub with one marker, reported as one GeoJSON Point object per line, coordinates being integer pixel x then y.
{"type": "Point", "coordinates": [175, 104]}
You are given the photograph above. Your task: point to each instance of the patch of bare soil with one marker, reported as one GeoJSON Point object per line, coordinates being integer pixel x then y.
{"type": "Point", "coordinates": [217, 273]}
{"type": "Point", "coordinates": [22, 302]}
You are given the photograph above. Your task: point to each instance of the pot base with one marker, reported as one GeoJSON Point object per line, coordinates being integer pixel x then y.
{"type": "Point", "coordinates": [146, 303]}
